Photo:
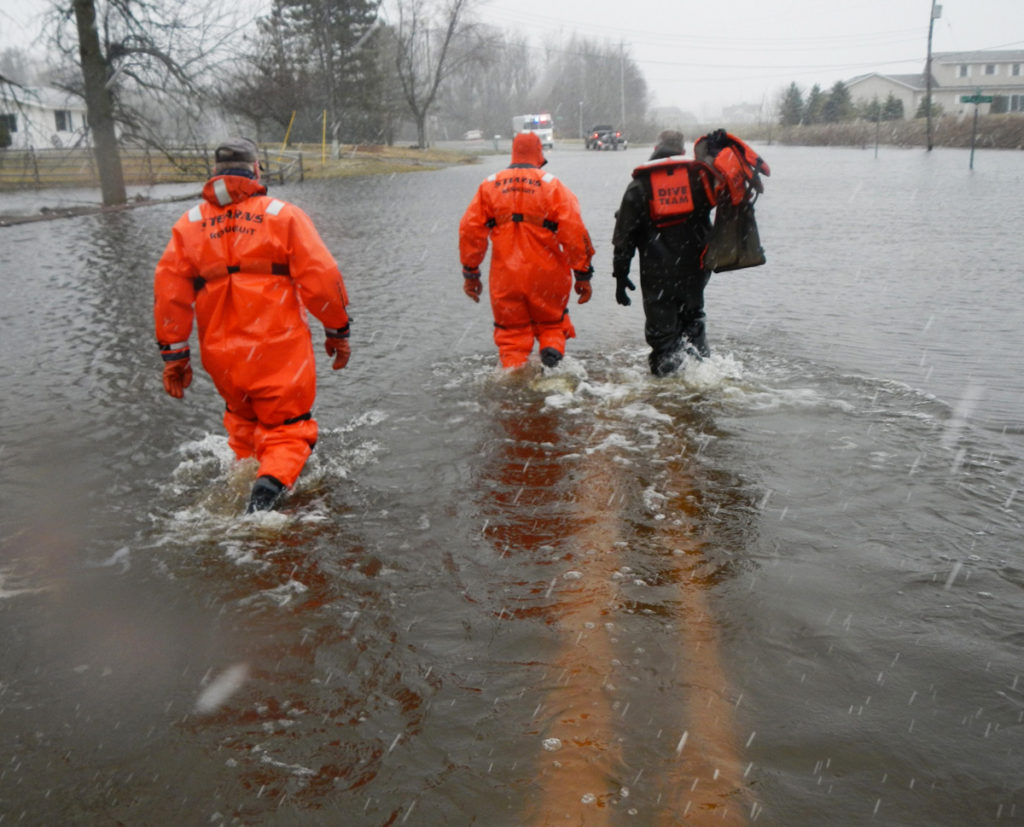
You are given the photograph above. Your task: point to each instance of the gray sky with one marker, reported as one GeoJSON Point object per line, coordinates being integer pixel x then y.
{"type": "Point", "coordinates": [708, 53]}
{"type": "Point", "coordinates": [19, 22]}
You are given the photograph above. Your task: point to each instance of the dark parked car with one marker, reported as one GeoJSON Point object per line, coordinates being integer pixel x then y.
{"type": "Point", "coordinates": [605, 136]}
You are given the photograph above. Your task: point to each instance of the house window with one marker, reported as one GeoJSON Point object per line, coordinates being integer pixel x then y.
{"type": "Point", "coordinates": [963, 70]}
{"type": "Point", "coordinates": [1015, 71]}
{"type": "Point", "coordinates": [11, 122]}
{"type": "Point", "coordinates": [62, 118]}
{"type": "Point", "coordinates": [990, 68]}
{"type": "Point", "coordinates": [1017, 103]}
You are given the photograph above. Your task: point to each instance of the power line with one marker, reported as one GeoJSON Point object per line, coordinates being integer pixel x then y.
{"type": "Point", "coordinates": [534, 22]}
{"type": "Point", "coordinates": [702, 64]}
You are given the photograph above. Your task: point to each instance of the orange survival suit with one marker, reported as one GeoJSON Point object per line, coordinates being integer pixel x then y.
{"type": "Point", "coordinates": [250, 265]}
{"type": "Point", "coordinates": [533, 221]}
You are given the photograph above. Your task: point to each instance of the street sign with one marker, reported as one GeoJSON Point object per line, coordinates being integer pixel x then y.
{"type": "Point", "coordinates": [975, 99]}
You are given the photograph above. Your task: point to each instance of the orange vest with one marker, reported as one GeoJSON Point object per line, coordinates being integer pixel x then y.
{"type": "Point", "coordinates": [672, 181]}
{"type": "Point", "coordinates": [737, 165]}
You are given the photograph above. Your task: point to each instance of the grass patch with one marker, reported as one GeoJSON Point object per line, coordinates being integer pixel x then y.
{"type": "Point", "coordinates": [371, 159]}
{"type": "Point", "coordinates": [35, 169]}
{"type": "Point", "coordinates": [994, 132]}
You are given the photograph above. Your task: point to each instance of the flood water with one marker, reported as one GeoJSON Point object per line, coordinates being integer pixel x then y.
{"type": "Point", "coordinates": [784, 587]}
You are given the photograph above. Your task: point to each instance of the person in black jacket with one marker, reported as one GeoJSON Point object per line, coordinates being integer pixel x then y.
{"type": "Point", "coordinates": [665, 214]}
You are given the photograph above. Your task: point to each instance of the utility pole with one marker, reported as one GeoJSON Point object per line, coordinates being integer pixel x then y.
{"type": "Point", "coordinates": [622, 85]}
{"type": "Point", "coordinates": [936, 13]}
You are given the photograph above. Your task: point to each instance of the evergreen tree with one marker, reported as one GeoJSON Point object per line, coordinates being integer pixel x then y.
{"type": "Point", "coordinates": [277, 84]}
{"type": "Point", "coordinates": [922, 109]}
{"type": "Point", "coordinates": [791, 107]}
{"type": "Point", "coordinates": [839, 106]}
{"type": "Point", "coordinates": [872, 110]}
{"type": "Point", "coordinates": [314, 59]}
{"type": "Point", "coordinates": [892, 109]}
{"type": "Point", "coordinates": [814, 111]}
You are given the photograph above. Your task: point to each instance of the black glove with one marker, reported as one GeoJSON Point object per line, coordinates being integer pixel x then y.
{"type": "Point", "coordinates": [622, 284]}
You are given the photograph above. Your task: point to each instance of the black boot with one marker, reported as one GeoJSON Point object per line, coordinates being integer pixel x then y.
{"type": "Point", "coordinates": [664, 362]}
{"type": "Point", "coordinates": [266, 491]}
{"type": "Point", "coordinates": [549, 357]}
{"type": "Point", "coordinates": [696, 337]}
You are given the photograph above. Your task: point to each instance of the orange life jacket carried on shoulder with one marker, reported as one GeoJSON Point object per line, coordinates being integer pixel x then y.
{"type": "Point", "coordinates": [672, 188]}
{"type": "Point", "coordinates": [739, 168]}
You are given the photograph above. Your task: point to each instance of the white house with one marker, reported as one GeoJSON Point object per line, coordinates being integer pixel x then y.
{"type": "Point", "coordinates": [997, 74]}
{"type": "Point", "coordinates": [41, 117]}
{"type": "Point", "coordinates": [909, 89]}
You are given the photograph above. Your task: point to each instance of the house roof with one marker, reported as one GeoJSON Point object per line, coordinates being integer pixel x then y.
{"type": "Point", "coordinates": [915, 81]}
{"type": "Point", "coordinates": [982, 56]}
{"type": "Point", "coordinates": [45, 97]}
{"type": "Point", "coordinates": [9, 82]}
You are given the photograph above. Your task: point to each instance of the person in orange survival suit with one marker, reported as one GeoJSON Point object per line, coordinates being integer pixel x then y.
{"type": "Point", "coordinates": [539, 242]}
{"type": "Point", "coordinates": [248, 266]}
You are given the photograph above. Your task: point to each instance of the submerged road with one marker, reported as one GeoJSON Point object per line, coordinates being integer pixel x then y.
{"type": "Point", "coordinates": [784, 587]}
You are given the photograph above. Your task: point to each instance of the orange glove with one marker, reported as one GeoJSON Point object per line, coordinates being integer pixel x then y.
{"type": "Point", "coordinates": [471, 284]}
{"type": "Point", "coordinates": [177, 369]}
{"type": "Point", "coordinates": [177, 377]}
{"type": "Point", "coordinates": [582, 286]}
{"type": "Point", "coordinates": [336, 344]}
{"type": "Point", "coordinates": [340, 350]}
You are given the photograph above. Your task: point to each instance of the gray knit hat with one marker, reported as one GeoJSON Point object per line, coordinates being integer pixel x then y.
{"type": "Point", "coordinates": [670, 142]}
{"type": "Point", "coordinates": [240, 150]}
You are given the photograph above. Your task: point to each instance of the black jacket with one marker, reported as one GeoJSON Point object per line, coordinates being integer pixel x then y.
{"type": "Point", "coordinates": [665, 252]}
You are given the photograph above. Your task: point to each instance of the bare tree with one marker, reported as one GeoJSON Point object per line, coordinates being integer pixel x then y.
{"type": "Point", "coordinates": [424, 53]}
{"type": "Point", "coordinates": [485, 93]}
{"type": "Point", "coordinates": [135, 60]}
{"type": "Point", "coordinates": [598, 80]}
{"type": "Point", "coordinates": [99, 104]}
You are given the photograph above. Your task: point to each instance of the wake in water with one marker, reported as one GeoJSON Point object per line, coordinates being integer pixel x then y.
{"type": "Point", "coordinates": [206, 493]}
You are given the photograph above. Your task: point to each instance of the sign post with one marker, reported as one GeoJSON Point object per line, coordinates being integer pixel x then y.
{"type": "Point", "coordinates": [976, 98]}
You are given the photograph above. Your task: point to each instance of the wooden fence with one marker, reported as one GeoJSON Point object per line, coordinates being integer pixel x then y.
{"type": "Point", "coordinates": [44, 168]}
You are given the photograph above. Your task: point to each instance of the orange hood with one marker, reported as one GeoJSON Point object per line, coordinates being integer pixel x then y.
{"type": "Point", "coordinates": [221, 190]}
{"type": "Point", "coordinates": [527, 149]}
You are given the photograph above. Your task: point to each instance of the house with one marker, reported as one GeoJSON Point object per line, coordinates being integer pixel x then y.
{"type": "Point", "coordinates": [909, 89]}
{"type": "Point", "coordinates": [999, 74]}
{"type": "Point", "coordinates": [42, 117]}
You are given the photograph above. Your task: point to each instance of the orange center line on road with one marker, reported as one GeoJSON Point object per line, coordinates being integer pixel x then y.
{"type": "Point", "coordinates": [584, 778]}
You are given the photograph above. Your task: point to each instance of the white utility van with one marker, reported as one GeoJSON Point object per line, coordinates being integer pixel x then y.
{"type": "Point", "coordinates": [539, 124]}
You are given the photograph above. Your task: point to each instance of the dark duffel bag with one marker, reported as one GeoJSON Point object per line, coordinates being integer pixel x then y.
{"type": "Point", "coordinates": [735, 242]}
